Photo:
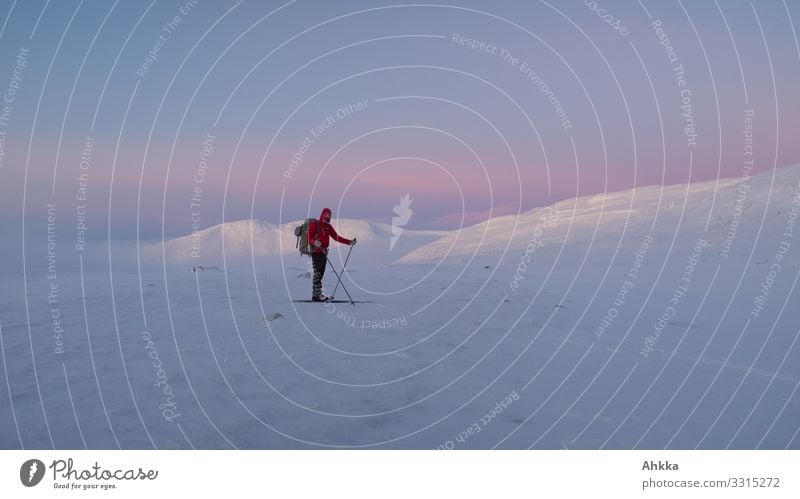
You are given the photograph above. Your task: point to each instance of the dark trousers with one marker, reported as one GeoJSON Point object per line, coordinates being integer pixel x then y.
{"type": "Point", "coordinates": [319, 261]}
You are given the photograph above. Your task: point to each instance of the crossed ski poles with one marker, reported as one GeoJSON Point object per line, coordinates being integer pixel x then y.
{"type": "Point", "coordinates": [339, 276]}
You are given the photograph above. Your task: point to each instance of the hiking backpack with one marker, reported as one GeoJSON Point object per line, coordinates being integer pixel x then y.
{"type": "Point", "coordinates": [301, 232]}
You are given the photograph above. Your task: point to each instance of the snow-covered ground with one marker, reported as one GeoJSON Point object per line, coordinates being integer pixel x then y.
{"type": "Point", "coordinates": [654, 318]}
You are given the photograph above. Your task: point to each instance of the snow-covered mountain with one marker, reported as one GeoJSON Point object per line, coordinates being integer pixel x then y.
{"type": "Point", "coordinates": [690, 209]}
{"type": "Point", "coordinates": [241, 240]}
{"type": "Point", "coordinates": [235, 239]}
{"type": "Point", "coordinates": [706, 208]}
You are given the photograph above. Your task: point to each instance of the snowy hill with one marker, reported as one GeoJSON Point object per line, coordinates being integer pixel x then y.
{"type": "Point", "coordinates": [690, 209]}
{"type": "Point", "coordinates": [699, 208]}
{"type": "Point", "coordinates": [236, 239]}
{"type": "Point", "coordinates": [239, 241]}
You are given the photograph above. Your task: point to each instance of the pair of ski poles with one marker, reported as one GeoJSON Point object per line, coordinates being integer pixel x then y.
{"type": "Point", "coordinates": [339, 276]}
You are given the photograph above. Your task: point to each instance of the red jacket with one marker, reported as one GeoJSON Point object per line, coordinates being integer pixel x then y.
{"type": "Point", "coordinates": [323, 231]}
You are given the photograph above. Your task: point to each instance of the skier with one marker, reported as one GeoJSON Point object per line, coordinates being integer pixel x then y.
{"type": "Point", "coordinates": [319, 234]}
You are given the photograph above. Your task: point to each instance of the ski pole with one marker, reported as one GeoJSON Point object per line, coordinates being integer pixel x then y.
{"type": "Point", "coordinates": [340, 280]}
{"type": "Point", "coordinates": [343, 266]}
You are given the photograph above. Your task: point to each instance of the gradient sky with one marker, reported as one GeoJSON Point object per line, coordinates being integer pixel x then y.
{"type": "Point", "coordinates": [462, 130]}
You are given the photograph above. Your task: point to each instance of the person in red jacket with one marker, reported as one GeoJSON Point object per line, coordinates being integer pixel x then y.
{"type": "Point", "coordinates": [319, 234]}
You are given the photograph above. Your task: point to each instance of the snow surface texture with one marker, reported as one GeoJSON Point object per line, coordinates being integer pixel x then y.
{"type": "Point", "coordinates": [651, 318]}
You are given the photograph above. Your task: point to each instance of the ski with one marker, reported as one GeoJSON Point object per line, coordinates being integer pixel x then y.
{"type": "Point", "coordinates": [332, 301]}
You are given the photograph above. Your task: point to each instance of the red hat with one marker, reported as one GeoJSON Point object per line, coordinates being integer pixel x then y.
{"type": "Point", "coordinates": [325, 216]}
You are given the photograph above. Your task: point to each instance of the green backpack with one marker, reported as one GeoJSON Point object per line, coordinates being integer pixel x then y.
{"type": "Point", "coordinates": [301, 232]}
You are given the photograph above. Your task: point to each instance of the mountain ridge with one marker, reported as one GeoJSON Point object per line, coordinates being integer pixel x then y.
{"type": "Point", "coordinates": [707, 207]}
